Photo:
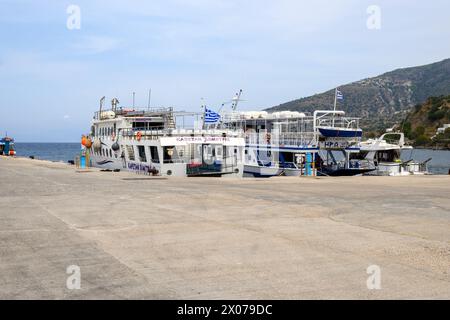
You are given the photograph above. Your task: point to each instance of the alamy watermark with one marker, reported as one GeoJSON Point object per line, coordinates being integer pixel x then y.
{"type": "Point", "coordinates": [73, 281]}
{"type": "Point", "coordinates": [374, 280]}
{"type": "Point", "coordinates": [374, 19]}
{"type": "Point", "coordinates": [73, 21]}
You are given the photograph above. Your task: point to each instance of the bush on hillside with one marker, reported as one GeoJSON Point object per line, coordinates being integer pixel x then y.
{"type": "Point", "coordinates": [422, 140]}
{"type": "Point", "coordinates": [436, 115]}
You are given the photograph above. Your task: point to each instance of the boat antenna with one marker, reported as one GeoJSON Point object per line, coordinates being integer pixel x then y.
{"type": "Point", "coordinates": [149, 98]}
{"type": "Point", "coordinates": [134, 96]}
{"type": "Point", "coordinates": [102, 100]}
{"type": "Point", "coordinates": [221, 107]}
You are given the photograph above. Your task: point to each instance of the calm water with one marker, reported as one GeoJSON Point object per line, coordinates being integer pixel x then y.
{"type": "Point", "coordinates": [440, 163]}
{"type": "Point", "coordinates": [67, 151]}
{"type": "Point", "coordinates": [48, 151]}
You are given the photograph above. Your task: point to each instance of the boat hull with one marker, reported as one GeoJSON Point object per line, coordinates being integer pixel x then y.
{"type": "Point", "coordinates": [267, 172]}
{"type": "Point", "coordinates": [340, 133]}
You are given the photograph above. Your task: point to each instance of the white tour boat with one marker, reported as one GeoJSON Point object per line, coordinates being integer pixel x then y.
{"type": "Point", "coordinates": [279, 143]}
{"type": "Point", "coordinates": [162, 142]}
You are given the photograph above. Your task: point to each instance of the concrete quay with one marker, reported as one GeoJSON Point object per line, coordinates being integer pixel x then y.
{"type": "Point", "coordinates": [138, 237]}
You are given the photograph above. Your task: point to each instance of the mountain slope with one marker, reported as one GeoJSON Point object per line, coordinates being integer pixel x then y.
{"type": "Point", "coordinates": [384, 100]}
{"type": "Point", "coordinates": [421, 124]}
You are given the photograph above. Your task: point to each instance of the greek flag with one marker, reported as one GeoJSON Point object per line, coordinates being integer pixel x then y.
{"type": "Point", "coordinates": [211, 116]}
{"type": "Point", "coordinates": [339, 95]}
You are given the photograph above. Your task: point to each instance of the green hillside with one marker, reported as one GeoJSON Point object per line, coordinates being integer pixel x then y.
{"type": "Point", "coordinates": [421, 124]}
{"type": "Point", "coordinates": [385, 100]}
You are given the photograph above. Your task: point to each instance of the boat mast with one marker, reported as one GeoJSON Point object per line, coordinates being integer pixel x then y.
{"type": "Point", "coordinates": [236, 99]}
{"type": "Point", "coordinates": [102, 100]}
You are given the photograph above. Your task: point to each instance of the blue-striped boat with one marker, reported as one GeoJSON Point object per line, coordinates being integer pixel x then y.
{"type": "Point", "coordinates": [333, 132]}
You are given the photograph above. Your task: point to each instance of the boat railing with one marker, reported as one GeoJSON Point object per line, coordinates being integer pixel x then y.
{"type": "Point", "coordinates": [133, 112]}
{"type": "Point", "coordinates": [146, 133]}
{"type": "Point", "coordinates": [354, 164]}
{"type": "Point", "coordinates": [223, 165]}
{"type": "Point", "coordinates": [281, 139]}
{"type": "Point", "coordinates": [338, 122]}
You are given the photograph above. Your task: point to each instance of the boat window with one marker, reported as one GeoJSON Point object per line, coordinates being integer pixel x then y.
{"type": "Point", "coordinates": [141, 152]}
{"type": "Point", "coordinates": [130, 152]}
{"type": "Point", "coordinates": [169, 154]}
{"type": "Point", "coordinates": [389, 155]}
{"type": "Point", "coordinates": [359, 156]}
{"type": "Point", "coordinates": [154, 125]}
{"type": "Point", "coordinates": [154, 154]}
{"type": "Point", "coordinates": [110, 153]}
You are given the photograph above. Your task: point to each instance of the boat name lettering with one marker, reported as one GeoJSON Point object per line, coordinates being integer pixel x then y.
{"type": "Point", "coordinates": [203, 139]}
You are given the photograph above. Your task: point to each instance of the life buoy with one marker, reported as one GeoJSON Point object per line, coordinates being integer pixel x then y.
{"type": "Point", "coordinates": [139, 136]}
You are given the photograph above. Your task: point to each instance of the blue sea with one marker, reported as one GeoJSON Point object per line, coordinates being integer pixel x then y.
{"type": "Point", "coordinates": [61, 152]}
{"type": "Point", "coordinates": [64, 152]}
{"type": "Point", "coordinates": [440, 163]}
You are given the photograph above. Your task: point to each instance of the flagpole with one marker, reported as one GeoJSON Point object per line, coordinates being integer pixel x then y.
{"type": "Point", "coordinates": [335, 103]}
{"type": "Point", "coordinates": [203, 107]}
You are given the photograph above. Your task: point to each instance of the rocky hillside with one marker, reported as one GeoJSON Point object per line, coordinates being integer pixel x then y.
{"type": "Point", "coordinates": [421, 124]}
{"type": "Point", "coordinates": [384, 100]}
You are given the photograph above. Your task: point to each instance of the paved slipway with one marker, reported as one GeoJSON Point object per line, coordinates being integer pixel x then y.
{"type": "Point", "coordinates": [136, 237]}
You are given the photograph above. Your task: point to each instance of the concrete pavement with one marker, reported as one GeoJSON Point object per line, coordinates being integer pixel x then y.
{"type": "Point", "coordinates": [135, 237]}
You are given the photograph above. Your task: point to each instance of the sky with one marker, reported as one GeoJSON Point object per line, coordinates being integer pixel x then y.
{"type": "Point", "coordinates": [58, 58]}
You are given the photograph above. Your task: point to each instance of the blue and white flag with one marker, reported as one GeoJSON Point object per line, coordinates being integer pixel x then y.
{"type": "Point", "coordinates": [211, 116]}
{"type": "Point", "coordinates": [339, 95]}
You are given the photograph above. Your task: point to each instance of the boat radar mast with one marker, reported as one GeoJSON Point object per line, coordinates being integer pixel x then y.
{"type": "Point", "coordinates": [234, 101]}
